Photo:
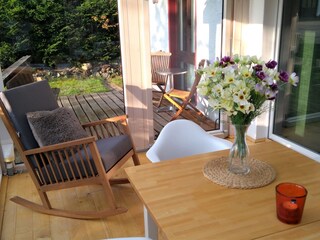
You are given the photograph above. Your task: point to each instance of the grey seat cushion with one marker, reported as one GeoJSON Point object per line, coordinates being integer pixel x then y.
{"type": "Point", "coordinates": [31, 97]}
{"type": "Point", "coordinates": [112, 150]}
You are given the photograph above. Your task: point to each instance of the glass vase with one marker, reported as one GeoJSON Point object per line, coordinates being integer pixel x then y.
{"type": "Point", "coordinates": [239, 152]}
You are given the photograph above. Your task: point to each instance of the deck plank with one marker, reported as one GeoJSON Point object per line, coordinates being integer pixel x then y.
{"type": "Point", "coordinates": [117, 107]}
{"type": "Point", "coordinates": [87, 108]}
{"type": "Point", "coordinates": [104, 106]}
{"type": "Point", "coordinates": [91, 100]}
{"type": "Point", "coordinates": [77, 108]}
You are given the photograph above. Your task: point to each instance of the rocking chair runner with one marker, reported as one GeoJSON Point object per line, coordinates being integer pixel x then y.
{"type": "Point", "coordinates": [85, 161]}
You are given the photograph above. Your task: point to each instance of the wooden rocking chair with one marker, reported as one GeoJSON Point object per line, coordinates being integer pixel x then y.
{"type": "Point", "coordinates": [92, 159]}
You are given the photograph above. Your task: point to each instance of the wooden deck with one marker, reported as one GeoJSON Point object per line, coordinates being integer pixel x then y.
{"type": "Point", "coordinates": [91, 107]}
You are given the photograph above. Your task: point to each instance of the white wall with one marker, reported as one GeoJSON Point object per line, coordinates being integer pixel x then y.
{"type": "Point", "coordinates": [263, 21]}
{"type": "Point", "coordinates": [159, 26]}
{"type": "Point", "coordinates": [208, 40]}
{"type": "Point", "coordinates": [253, 39]}
{"type": "Point", "coordinates": [209, 22]}
{"type": "Point", "coordinates": [208, 28]}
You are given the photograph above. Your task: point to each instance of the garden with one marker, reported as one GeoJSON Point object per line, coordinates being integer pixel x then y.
{"type": "Point", "coordinates": [73, 44]}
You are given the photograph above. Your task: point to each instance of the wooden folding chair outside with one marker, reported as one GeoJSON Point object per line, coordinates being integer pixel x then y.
{"type": "Point", "coordinates": [91, 160]}
{"type": "Point", "coordinates": [182, 99]}
{"type": "Point", "coordinates": [159, 60]}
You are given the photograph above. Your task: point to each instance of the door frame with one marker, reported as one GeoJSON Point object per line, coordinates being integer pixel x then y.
{"type": "Point", "coordinates": [174, 33]}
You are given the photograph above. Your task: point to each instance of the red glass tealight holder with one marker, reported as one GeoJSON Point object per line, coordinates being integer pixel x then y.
{"type": "Point", "coordinates": [290, 200]}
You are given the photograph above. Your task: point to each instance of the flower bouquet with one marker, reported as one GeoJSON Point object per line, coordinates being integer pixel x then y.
{"type": "Point", "coordinates": [239, 85]}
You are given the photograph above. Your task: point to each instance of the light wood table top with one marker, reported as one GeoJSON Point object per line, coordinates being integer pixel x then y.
{"type": "Point", "coordinates": [186, 205]}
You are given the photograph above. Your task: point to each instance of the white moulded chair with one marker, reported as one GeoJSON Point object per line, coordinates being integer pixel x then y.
{"type": "Point", "coordinates": [181, 138]}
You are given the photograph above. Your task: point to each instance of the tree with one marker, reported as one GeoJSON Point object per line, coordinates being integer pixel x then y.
{"type": "Point", "coordinates": [59, 31]}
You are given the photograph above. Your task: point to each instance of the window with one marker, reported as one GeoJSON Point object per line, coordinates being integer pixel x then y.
{"type": "Point", "coordinates": [297, 110]}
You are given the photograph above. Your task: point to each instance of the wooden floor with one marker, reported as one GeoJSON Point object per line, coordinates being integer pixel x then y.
{"type": "Point", "coordinates": [101, 105]}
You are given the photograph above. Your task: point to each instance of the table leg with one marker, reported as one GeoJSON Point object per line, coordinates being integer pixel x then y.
{"type": "Point", "coordinates": [168, 87]}
{"type": "Point", "coordinates": [150, 227]}
{"type": "Point", "coordinates": [169, 82]}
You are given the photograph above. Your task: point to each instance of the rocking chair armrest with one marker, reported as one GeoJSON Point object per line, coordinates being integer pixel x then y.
{"type": "Point", "coordinates": [121, 118]}
{"type": "Point", "coordinates": [60, 146]}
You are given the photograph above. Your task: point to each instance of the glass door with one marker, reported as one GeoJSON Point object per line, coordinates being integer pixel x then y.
{"type": "Point", "coordinates": [297, 110]}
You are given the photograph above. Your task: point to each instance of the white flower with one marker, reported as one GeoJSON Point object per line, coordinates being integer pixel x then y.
{"type": "Point", "coordinates": [270, 72]}
{"type": "Point", "coordinates": [240, 97]}
{"type": "Point", "coordinates": [242, 86]}
{"type": "Point", "coordinates": [294, 79]}
{"type": "Point", "coordinates": [227, 104]}
{"type": "Point", "coordinates": [245, 71]}
{"type": "Point", "coordinates": [254, 59]}
{"type": "Point", "coordinates": [244, 108]}
{"type": "Point", "coordinates": [251, 108]}
{"type": "Point", "coordinates": [227, 93]}
{"type": "Point", "coordinates": [217, 90]}
{"type": "Point", "coordinates": [210, 71]}
{"type": "Point", "coordinates": [229, 78]}
{"type": "Point", "coordinates": [268, 80]}
{"type": "Point", "coordinates": [245, 60]}
{"type": "Point", "coordinates": [202, 90]}
{"type": "Point", "coordinates": [270, 94]}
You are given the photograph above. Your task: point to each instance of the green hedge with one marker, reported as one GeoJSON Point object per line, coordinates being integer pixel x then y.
{"type": "Point", "coordinates": [59, 31]}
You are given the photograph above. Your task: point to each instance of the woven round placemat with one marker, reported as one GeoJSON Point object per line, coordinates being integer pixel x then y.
{"type": "Point", "coordinates": [261, 174]}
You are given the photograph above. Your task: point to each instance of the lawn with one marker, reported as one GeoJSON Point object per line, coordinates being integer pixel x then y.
{"type": "Point", "coordinates": [74, 86]}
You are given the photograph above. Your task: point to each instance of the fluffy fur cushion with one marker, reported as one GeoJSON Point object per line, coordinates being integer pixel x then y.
{"type": "Point", "coordinates": [57, 126]}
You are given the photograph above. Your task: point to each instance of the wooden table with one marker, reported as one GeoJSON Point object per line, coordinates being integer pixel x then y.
{"type": "Point", "coordinates": [169, 73]}
{"type": "Point", "coordinates": [186, 205]}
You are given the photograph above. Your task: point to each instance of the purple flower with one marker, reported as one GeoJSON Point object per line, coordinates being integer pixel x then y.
{"type": "Point", "coordinates": [260, 75]}
{"type": "Point", "coordinates": [222, 64]}
{"type": "Point", "coordinates": [284, 76]}
{"type": "Point", "coordinates": [271, 64]}
{"type": "Point", "coordinates": [257, 68]}
{"type": "Point", "coordinates": [274, 87]}
{"type": "Point", "coordinates": [226, 59]}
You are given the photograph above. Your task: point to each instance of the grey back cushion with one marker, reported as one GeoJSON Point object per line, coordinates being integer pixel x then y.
{"type": "Point", "coordinates": [56, 126]}
{"type": "Point", "coordinates": [32, 97]}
